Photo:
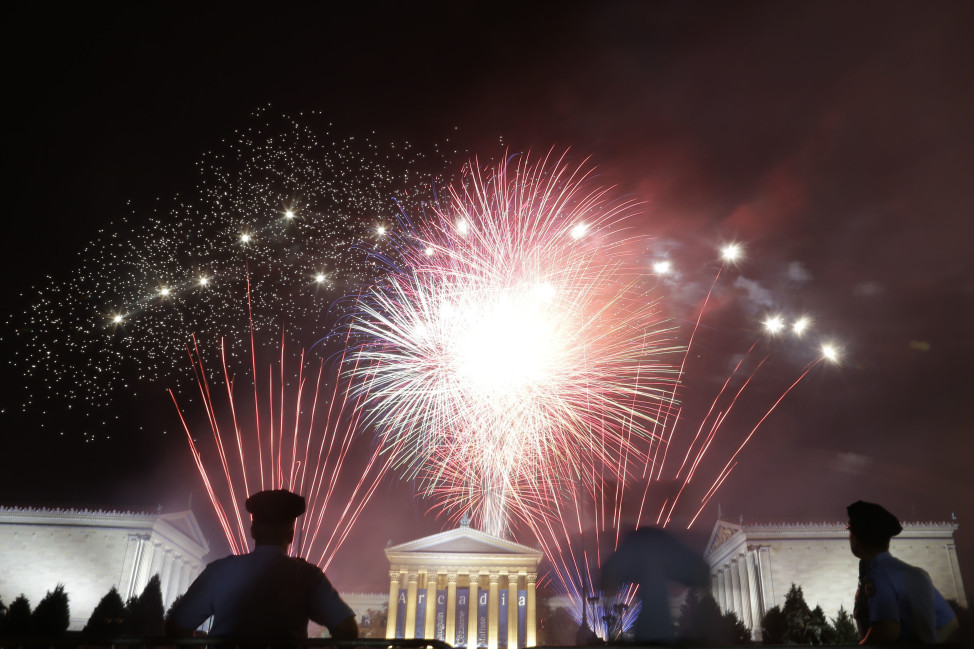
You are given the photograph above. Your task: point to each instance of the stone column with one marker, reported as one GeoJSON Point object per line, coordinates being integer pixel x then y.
{"type": "Point", "coordinates": [178, 576]}
{"type": "Point", "coordinates": [754, 579]}
{"type": "Point", "coordinates": [745, 615]}
{"type": "Point", "coordinates": [472, 617]}
{"type": "Point", "coordinates": [512, 610]}
{"type": "Point", "coordinates": [494, 578]}
{"type": "Point", "coordinates": [171, 581]}
{"type": "Point", "coordinates": [532, 612]}
{"type": "Point", "coordinates": [158, 556]}
{"type": "Point", "coordinates": [430, 603]}
{"type": "Point", "coordinates": [393, 604]}
{"type": "Point", "coordinates": [130, 566]}
{"type": "Point", "coordinates": [735, 579]}
{"type": "Point", "coordinates": [767, 579]}
{"type": "Point", "coordinates": [143, 565]}
{"type": "Point", "coordinates": [722, 589]}
{"type": "Point", "coordinates": [165, 576]}
{"type": "Point", "coordinates": [410, 630]}
{"type": "Point", "coordinates": [189, 572]}
{"type": "Point", "coordinates": [451, 608]}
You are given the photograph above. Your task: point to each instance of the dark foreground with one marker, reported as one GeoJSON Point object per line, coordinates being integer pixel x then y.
{"type": "Point", "coordinates": [79, 641]}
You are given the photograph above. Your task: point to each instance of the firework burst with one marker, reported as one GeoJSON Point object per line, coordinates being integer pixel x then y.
{"type": "Point", "coordinates": [513, 346]}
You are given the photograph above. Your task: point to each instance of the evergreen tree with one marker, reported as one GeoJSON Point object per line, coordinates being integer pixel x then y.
{"type": "Point", "coordinates": [774, 626]}
{"type": "Point", "coordinates": [18, 620]}
{"type": "Point", "coordinates": [735, 629]}
{"type": "Point", "coordinates": [172, 607]}
{"type": "Point", "coordinates": [52, 616]}
{"type": "Point", "coordinates": [108, 618]}
{"type": "Point", "coordinates": [795, 623]}
{"type": "Point", "coordinates": [819, 631]}
{"type": "Point", "coordinates": [701, 622]}
{"type": "Point", "coordinates": [845, 628]}
{"type": "Point", "coordinates": [797, 617]}
{"type": "Point", "coordinates": [3, 614]}
{"type": "Point", "coordinates": [145, 614]}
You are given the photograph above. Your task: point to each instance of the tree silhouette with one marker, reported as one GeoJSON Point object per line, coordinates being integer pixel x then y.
{"type": "Point", "coordinates": [818, 630]}
{"type": "Point", "coordinates": [18, 620]}
{"type": "Point", "coordinates": [774, 626]}
{"type": "Point", "coordinates": [3, 614]}
{"type": "Point", "coordinates": [172, 608]}
{"type": "Point", "coordinates": [736, 629]}
{"type": "Point", "coordinates": [797, 616]}
{"type": "Point", "coordinates": [795, 623]}
{"type": "Point", "coordinates": [701, 622]}
{"type": "Point", "coordinates": [52, 616]}
{"type": "Point", "coordinates": [145, 613]}
{"type": "Point", "coordinates": [108, 618]}
{"type": "Point", "coordinates": [845, 628]}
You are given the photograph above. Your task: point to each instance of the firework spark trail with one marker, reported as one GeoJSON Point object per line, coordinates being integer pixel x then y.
{"type": "Point", "coordinates": [512, 337]}
{"type": "Point", "coordinates": [728, 467]}
{"type": "Point", "coordinates": [573, 565]}
{"type": "Point", "coordinates": [280, 460]}
{"type": "Point", "coordinates": [705, 445]}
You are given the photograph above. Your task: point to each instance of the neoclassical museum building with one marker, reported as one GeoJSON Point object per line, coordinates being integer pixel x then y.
{"type": "Point", "coordinates": [462, 586]}
{"type": "Point", "coordinates": [90, 551]}
{"type": "Point", "coordinates": [753, 565]}
{"type": "Point", "coordinates": [465, 587]}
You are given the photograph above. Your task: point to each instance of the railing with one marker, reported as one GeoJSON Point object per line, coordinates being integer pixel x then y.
{"type": "Point", "coordinates": [80, 641]}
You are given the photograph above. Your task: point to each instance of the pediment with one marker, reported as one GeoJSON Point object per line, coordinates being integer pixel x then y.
{"type": "Point", "coordinates": [463, 540]}
{"type": "Point", "coordinates": [723, 532]}
{"type": "Point", "coordinates": [186, 524]}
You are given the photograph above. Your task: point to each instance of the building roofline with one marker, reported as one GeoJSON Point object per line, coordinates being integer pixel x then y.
{"type": "Point", "coordinates": [91, 511]}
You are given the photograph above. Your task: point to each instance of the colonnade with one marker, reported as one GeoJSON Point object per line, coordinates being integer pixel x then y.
{"type": "Point", "coordinates": [464, 592]}
{"type": "Point", "coordinates": [744, 585]}
{"type": "Point", "coordinates": [176, 571]}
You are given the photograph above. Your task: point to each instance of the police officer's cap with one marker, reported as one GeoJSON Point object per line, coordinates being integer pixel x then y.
{"type": "Point", "coordinates": [870, 521]}
{"type": "Point", "coordinates": [276, 507]}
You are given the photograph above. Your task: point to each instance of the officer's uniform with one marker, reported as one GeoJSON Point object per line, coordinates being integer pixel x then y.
{"type": "Point", "coordinates": [903, 593]}
{"type": "Point", "coordinates": [890, 589]}
{"type": "Point", "coordinates": [264, 593]}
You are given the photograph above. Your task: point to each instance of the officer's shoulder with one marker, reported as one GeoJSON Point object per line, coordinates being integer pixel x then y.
{"type": "Point", "coordinates": [222, 563]}
{"type": "Point", "coordinates": [305, 565]}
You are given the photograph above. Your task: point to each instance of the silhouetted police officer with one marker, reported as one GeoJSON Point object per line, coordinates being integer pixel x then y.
{"type": "Point", "coordinates": [895, 602]}
{"type": "Point", "coordinates": [266, 593]}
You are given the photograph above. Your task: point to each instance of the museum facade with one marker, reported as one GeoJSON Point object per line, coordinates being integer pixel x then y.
{"type": "Point", "coordinates": [465, 587]}
{"type": "Point", "coordinates": [91, 551]}
{"type": "Point", "coordinates": [753, 565]}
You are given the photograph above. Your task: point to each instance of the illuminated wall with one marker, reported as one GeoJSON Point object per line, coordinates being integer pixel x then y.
{"type": "Point", "coordinates": [754, 565]}
{"type": "Point", "coordinates": [91, 551]}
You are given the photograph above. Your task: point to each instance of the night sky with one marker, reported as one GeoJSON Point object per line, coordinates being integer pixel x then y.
{"type": "Point", "coordinates": [833, 139]}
